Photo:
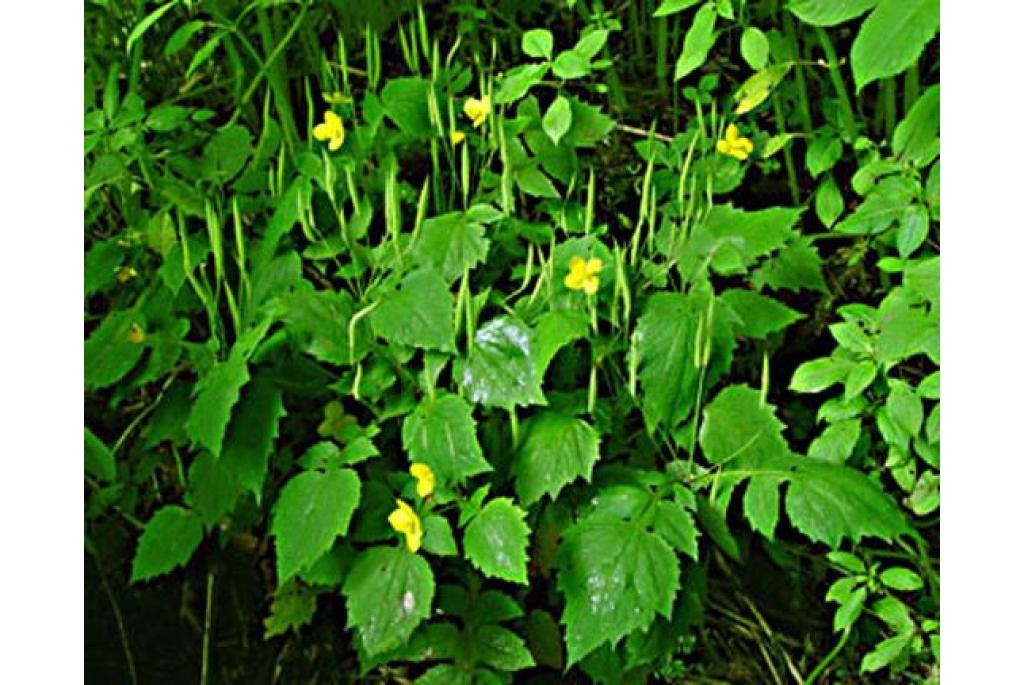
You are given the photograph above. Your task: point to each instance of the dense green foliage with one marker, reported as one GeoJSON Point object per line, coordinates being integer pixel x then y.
{"type": "Point", "coordinates": [474, 342]}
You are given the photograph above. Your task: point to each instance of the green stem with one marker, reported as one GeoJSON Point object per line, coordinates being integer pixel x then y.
{"type": "Point", "coordinates": [206, 629]}
{"type": "Point", "coordinates": [829, 658]}
{"type": "Point", "coordinates": [889, 103]}
{"type": "Point", "coordinates": [787, 154]}
{"type": "Point", "coordinates": [911, 88]}
{"type": "Point", "coordinates": [803, 107]}
{"type": "Point", "coordinates": [849, 123]}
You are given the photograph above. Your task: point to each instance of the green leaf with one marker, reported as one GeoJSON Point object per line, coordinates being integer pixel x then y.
{"type": "Point", "coordinates": [885, 652]}
{"type": "Point", "coordinates": [698, 41]}
{"type": "Point", "coordinates": [761, 315]}
{"type": "Point", "coordinates": [556, 450]}
{"type": "Point", "coordinates": [892, 38]}
{"type": "Point", "coordinates": [437, 536]}
{"type": "Point", "coordinates": [850, 610]}
{"type": "Point", "coordinates": [829, 12]}
{"type": "Point", "coordinates": [922, 278]}
{"type": "Point", "coordinates": [212, 489]}
{"type": "Point", "coordinates": [668, 7]}
{"type": "Point", "coordinates": [884, 205]}
{"type": "Point", "coordinates": [227, 152]}
{"type": "Point", "coordinates": [554, 330]}
{"type": "Point", "coordinates": [109, 351]}
{"type": "Point", "coordinates": [557, 119]}
{"type": "Point", "coordinates": [442, 434]}
{"type": "Point", "coordinates": [589, 125]}
{"type": "Point", "coordinates": [420, 314]}
{"type": "Point", "coordinates": [667, 335]}
{"type": "Point", "coordinates": [916, 139]}
{"type": "Point", "coordinates": [828, 201]}
{"type": "Point", "coordinates": [738, 428]}
{"type": "Point", "coordinates": [251, 434]}
{"type": "Point", "coordinates": [819, 374]}
{"type": "Point", "coordinates": [913, 230]}
{"type": "Point", "coordinates": [501, 370]}
{"type": "Point", "coordinates": [827, 503]}
{"type": "Point", "coordinates": [292, 608]}
{"type": "Point", "coordinates": [319, 320]}
{"type": "Point", "coordinates": [734, 239]}
{"type": "Point", "coordinates": [405, 101]}
{"type": "Point", "coordinates": [905, 407]}
{"type": "Point", "coordinates": [796, 267]}
{"type": "Point", "coordinates": [754, 47]}
{"type": "Point", "coordinates": [758, 87]}
{"type": "Point", "coordinates": [532, 181]}
{"type": "Point", "coordinates": [518, 81]}
{"type": "Point", "coordinates": [616, 577]}
{"type": "Point", "coordinates": [836, 443]}
{"type": "Point", "coordinates": [823, 152]}
{"type": "Point", "coordinates": [570, 64]}
{"type": "Point", "coordinates": [169, 540]}
{"type": "Point", "coordinates": [215, 395]}
{"type": "Point", "coordinates": [591, 43]}
{"type": "Point", "coordinates": [450, 244]}
{"type": "Point", "coordinates": [495, 541]}
{"type": "Point", "coordinates": [388, 593]}
{"type": "Point", "coordinates": [311, 511]}
{"type": "Point", "coordinates": [501, 648]}
{"type": "Point", "coordinates": [181, 36]}
{"type": "Point", "coordinates": [98, 459]}
{"type": "Point", "coordinates": [902, 579]}
{"type": "Point", "coordinates": [538, 43]}
{"type": "Point", "coordinates": [676, 525]}
{"type": "Point", "coordinates": [147, 21]}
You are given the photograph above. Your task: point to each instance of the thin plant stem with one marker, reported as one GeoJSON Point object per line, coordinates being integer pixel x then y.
{"type": "Point", "coordinates": [847, 119]}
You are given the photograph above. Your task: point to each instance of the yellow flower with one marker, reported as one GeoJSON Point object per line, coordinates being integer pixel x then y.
{"type": "Point", "coordinates": [477, 110]}
{"type": "Point", "coordinates": [126, 273]}
{"type": "Point", "coordinates": [404, 520]}
{"type": "Point", "coordinates": [583, 275]}
{"type": "Point", "coordinates": [331, 129]}
{"type": "Point", "coordinates": [733, 145]}
{"type": "Point", "coordinates": [457, 137]}
{"type": "Point", "coordinates": [136, 335]}
{"type": "Point", "coordinates": [425, 480]}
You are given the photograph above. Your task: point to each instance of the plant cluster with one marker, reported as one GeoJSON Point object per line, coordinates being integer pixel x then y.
{"type": "Point", "coordinates": [540, 341]}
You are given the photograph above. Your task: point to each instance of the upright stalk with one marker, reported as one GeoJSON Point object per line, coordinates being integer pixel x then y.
{"type": "Point", "coordinates": [847, 118]}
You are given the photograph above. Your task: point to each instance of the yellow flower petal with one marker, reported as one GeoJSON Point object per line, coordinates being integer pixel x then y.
{"type": "Point", "coordinates": [732, 133]}
{"type": "Point", "coordinates": [590, 285]}
{"type": "Point", "coordinates": [322, 132]}
{"type": "Point", "coordinates": [336, 142]}
{"type": "Point", "coordinates": [723, 147]}
{"type": "Point", "coordinates": [745, 144]}
{"type": "Point", "coordinates": [594, 266]}
{"type": "Point", "coordinates": [425, 480]}
{"type": "Point", "coordinates": [457, 137]}
{"type": "Point", "coordinates": [405, 521]}
{"type": "Point", "coordinates": [477, 110]}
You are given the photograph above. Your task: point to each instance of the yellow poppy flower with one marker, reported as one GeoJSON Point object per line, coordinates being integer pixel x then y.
{"type": "Point", "coordinates": [734, 145]}
{"type": "Point", "coordinates": [136, 335]}
{"type": "Point", "coordinates": [457, 137]}
{"type": "Point", "coordinates": [425, 480]}
{"type": "Point", "coordinates": [330, 130]}
{"type": "Point", "coordinates": [404, 520]}
{"type": "Point", "coordinates": [583, 275]}
{"type": "Point", "coordinates": [126, 273]}
{"type": "Point", "coordinates": [478, 110]}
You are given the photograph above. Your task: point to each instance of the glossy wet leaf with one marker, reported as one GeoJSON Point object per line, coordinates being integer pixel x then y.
{"type": "Point", "coordinates": [501, 370]}
{"type": "Point", "coordinates": [388, 592]}
{"type": "Point", "coordinates": [616, 578]}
